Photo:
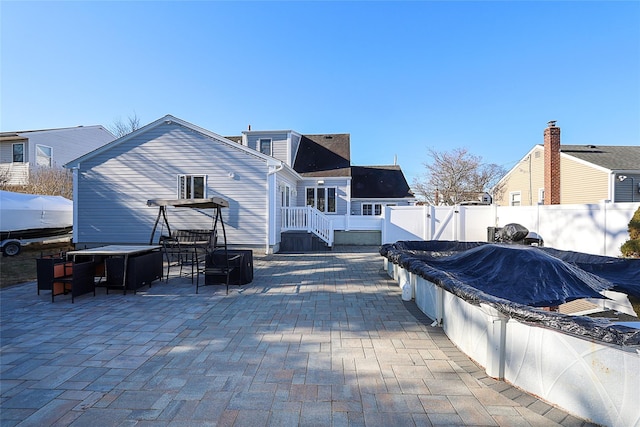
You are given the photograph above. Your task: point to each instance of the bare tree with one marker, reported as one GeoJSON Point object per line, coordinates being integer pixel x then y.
{"type": "Point", "coordinates": [5, 175]}
{"type": "Point", "coordinates": [456, 176]}
{"type": "Point", "coordinates": [121, 128]}
{"type": "Point", "coordinates": [47, 181]}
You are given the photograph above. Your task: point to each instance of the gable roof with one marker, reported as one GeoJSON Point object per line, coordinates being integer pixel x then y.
{"type": "Point", "coordinates": [21, 132]}
{"type": "Point", "coordinates": [89, 136]}
{"type": "Point", "coordinates": [612, 157]}
{"type": "Point", "coordinates": [323, 155]}
{"type": "Point", "coordinates": [171, 119]}
{"type": "Point", "coordinates": [379, 182]}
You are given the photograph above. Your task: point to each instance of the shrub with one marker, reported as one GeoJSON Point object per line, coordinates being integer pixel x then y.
{"type": "Point", "coordinates": [631, 248]}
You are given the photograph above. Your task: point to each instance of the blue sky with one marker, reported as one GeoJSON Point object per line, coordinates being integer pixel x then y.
{"type": "Point", "coordinates": [400, 77]}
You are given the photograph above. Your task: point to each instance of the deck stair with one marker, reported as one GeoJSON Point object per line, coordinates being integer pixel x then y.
{"type": "Point", "coordinates": [301, 241]}
{"type": "Point", "coordinates": [305, 229]}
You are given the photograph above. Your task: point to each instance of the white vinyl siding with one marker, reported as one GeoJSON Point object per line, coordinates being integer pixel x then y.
{"type": "Point", "coordinates": [279, 144]}
{"type": "Point", "coordinates": [114, 185]}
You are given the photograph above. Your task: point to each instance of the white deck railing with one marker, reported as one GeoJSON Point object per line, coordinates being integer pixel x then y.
{"type": "Point", "coordinates": [308, 219]}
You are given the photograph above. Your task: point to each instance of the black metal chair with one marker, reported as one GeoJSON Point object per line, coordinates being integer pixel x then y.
{"type": "Point", "coordinates": [178, 255]}
{"type": "Point", "coordinates": [219, 268]}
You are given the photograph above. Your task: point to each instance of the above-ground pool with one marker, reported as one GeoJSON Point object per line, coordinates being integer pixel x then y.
{"type": "Point", "coordinates": [498, 303]}
{"type": "Point", "coordinates": [525, 282]}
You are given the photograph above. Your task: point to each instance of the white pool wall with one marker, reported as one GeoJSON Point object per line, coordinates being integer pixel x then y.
{"type": "Point", "coordinates": [592, 380]}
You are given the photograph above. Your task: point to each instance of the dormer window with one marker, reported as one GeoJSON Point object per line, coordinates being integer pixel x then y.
{"type": "Point", "coordinates": [264, 145]}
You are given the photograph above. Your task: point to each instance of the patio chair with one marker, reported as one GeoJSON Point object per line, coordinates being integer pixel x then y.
{"type": "Point", "coordinates": [62, 278]}
{"type": "Point", "coordinates": [218, 269]}
{"type": "Point", "coordinates": [178, 255]}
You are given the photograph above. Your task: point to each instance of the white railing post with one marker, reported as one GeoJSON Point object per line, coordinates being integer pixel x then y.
{"type": "Point", "coordinates": [308, 219]}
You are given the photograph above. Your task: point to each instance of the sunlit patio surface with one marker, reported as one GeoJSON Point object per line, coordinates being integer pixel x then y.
{"type": "Point", "coordinates": [315, 340]}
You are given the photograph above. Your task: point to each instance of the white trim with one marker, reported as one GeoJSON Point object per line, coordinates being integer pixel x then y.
{"type": "Point", "coordinates": [259, 146]}
{"type": "Point", "coordinates": [382, 199]}
{"type": "Point", "coordinates": [517, 164]}
{"type": "Point", "coordinates": [191, 177]}
{"type": "Point", "coordinates": [75, 233]}
{"type": "Point", "coordinates": [315, 198]}
{"type": "Point", "coordinates": [248, 132]}
{"type": "Point", "coordinates": [513, 193]}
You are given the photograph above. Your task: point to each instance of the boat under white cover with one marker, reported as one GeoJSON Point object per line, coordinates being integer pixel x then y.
{"type": "Point", "coordinates": [26, 216]}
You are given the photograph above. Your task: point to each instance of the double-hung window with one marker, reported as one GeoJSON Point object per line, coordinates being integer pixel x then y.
{"type": "Point", "coordinates": [322, 198]}
{"type": "Point", "coordinates": [18, 153]}
{"type": "Point", "coordinates": [192, 186]}
{"type": "Point", "coordinates": [264, 146]}
{"type": "Point", "coordinates": [372, 209]}
{"type": "Point", "coordinates": [515, 199]}
{"type": "Point", "coordinates": [44, 155]}
{"type": "Point", "coordinates": [285, 196]}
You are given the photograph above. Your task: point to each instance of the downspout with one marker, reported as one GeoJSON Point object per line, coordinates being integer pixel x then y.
{"type": "Point", "coordinates": [612, 186]}
{"type": "Point", "coordinates": [271, 204]}
{"type": "Point", "coordinates": [74, 230]}
{"type": "Point", "coordinates": [347, 225]}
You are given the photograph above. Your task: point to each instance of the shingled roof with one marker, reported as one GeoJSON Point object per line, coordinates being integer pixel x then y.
{"type": "Point", "coordinates": [379, 182]}
{"type": "Point", "coordinates": [612, 157]}
{"type": "Point", "coordinates": [324, 155]}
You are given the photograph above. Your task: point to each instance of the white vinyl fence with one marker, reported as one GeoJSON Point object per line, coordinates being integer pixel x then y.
{"type": "Point", "coordinates": [598, 229]}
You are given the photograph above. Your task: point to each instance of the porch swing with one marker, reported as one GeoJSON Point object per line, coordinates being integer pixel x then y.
{"type": "Point", "coordinates": [219, 264]}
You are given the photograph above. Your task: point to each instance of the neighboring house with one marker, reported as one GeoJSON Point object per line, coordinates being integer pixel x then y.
{"type": "Point", "coordinates": [552, 173]}
{"type": "Point", "coordinates": [274, 181]}
{"type": "Point", "coordinates": [21, 152]}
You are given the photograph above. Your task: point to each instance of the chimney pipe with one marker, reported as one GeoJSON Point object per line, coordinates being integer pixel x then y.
{"type": "Point", "coordinates": [552, 164]}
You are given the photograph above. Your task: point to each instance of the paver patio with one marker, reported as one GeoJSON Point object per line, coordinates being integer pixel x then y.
{"type": "Point", "coordinates": [316, 340]}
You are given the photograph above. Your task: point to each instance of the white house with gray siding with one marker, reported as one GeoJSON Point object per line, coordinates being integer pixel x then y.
{"type": "Point", "coordinates": [22, 152]}
{"type": "Point", "coordinates": [274, 181]}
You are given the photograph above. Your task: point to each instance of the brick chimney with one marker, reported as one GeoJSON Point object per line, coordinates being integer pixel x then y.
{"type": "Point", "coordinates": [552, 164]}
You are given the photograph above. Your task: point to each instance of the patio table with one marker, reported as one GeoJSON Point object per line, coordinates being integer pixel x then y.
{"type": "Point", "coordinates": [110, 251]}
